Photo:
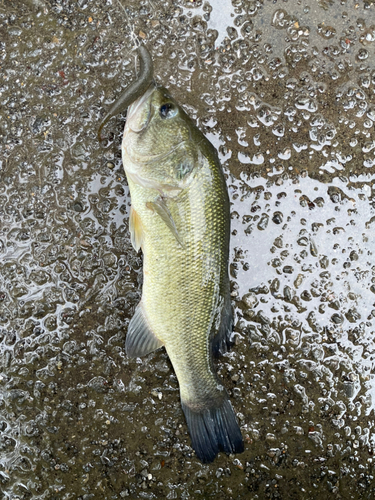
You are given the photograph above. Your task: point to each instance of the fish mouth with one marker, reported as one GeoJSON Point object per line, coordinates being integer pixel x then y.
{"type": "Point", "coordinates": [135, 120]}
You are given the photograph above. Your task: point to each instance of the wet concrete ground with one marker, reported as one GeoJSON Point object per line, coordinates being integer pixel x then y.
{"type": "Point", "coordinates": [286, 91]}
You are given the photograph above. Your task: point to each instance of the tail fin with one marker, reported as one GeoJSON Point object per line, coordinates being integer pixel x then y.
{"type": "Point", "coordinates": [212, 430]}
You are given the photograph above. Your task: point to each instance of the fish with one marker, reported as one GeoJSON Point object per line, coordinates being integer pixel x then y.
{"type": "Point", "coordinates": [180, 219]}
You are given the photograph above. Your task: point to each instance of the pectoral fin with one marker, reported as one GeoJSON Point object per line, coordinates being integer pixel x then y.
{"type": "Point", "coordinates": [136, 229]}
{"type": "Point", "coordinates": [163, 211]}
{"type": "Point", "coordinates": [140, 339]}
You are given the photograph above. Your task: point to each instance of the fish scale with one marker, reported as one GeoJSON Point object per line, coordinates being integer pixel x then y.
{"type": "Point", "coordinates": [173, 275]}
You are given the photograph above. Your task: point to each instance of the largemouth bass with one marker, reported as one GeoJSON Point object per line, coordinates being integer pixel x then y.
{"type": "Point", "coordinates": [180, 219]}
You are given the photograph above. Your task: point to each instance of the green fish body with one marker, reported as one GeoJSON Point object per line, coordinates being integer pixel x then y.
{"type": "Point", "coordinates": [180, 218]}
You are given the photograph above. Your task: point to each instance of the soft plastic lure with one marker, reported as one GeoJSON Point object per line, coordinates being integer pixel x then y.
{"type": "Point", "coordinates": [134, 90]}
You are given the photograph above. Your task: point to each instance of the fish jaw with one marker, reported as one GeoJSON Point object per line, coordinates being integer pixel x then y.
{"type": "Point", "coordinates": [139, 113]}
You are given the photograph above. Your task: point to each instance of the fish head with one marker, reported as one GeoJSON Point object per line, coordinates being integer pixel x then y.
{"type": "Point", "coordinates": [159, 147]}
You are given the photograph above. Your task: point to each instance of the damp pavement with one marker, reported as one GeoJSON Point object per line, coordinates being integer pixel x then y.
{"type": "Point", "coordinates": [286, 92]}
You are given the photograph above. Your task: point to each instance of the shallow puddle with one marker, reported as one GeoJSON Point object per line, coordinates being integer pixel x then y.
{"type": "Point", "coordinates": [286, 92]}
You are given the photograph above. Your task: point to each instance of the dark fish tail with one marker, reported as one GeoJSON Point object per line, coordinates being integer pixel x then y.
{"type": "Point", "coordinates": [213, 429]}
{"type": "Point", "coordinates": [134, 90]}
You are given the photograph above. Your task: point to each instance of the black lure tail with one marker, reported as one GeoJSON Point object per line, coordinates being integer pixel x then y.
{"type": "Point", "coordinates": [213, 429]}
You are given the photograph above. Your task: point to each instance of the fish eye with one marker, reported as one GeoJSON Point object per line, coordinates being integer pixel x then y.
{"type": "Point", "coordinates": [167, 110]}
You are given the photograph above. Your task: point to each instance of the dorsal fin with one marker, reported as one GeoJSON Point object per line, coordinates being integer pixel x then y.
{"type": "Point", "coordinates": [221, 341]}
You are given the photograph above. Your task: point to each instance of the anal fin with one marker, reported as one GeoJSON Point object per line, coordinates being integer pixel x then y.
{"type": "Point", "coordinates": [140, 339]}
